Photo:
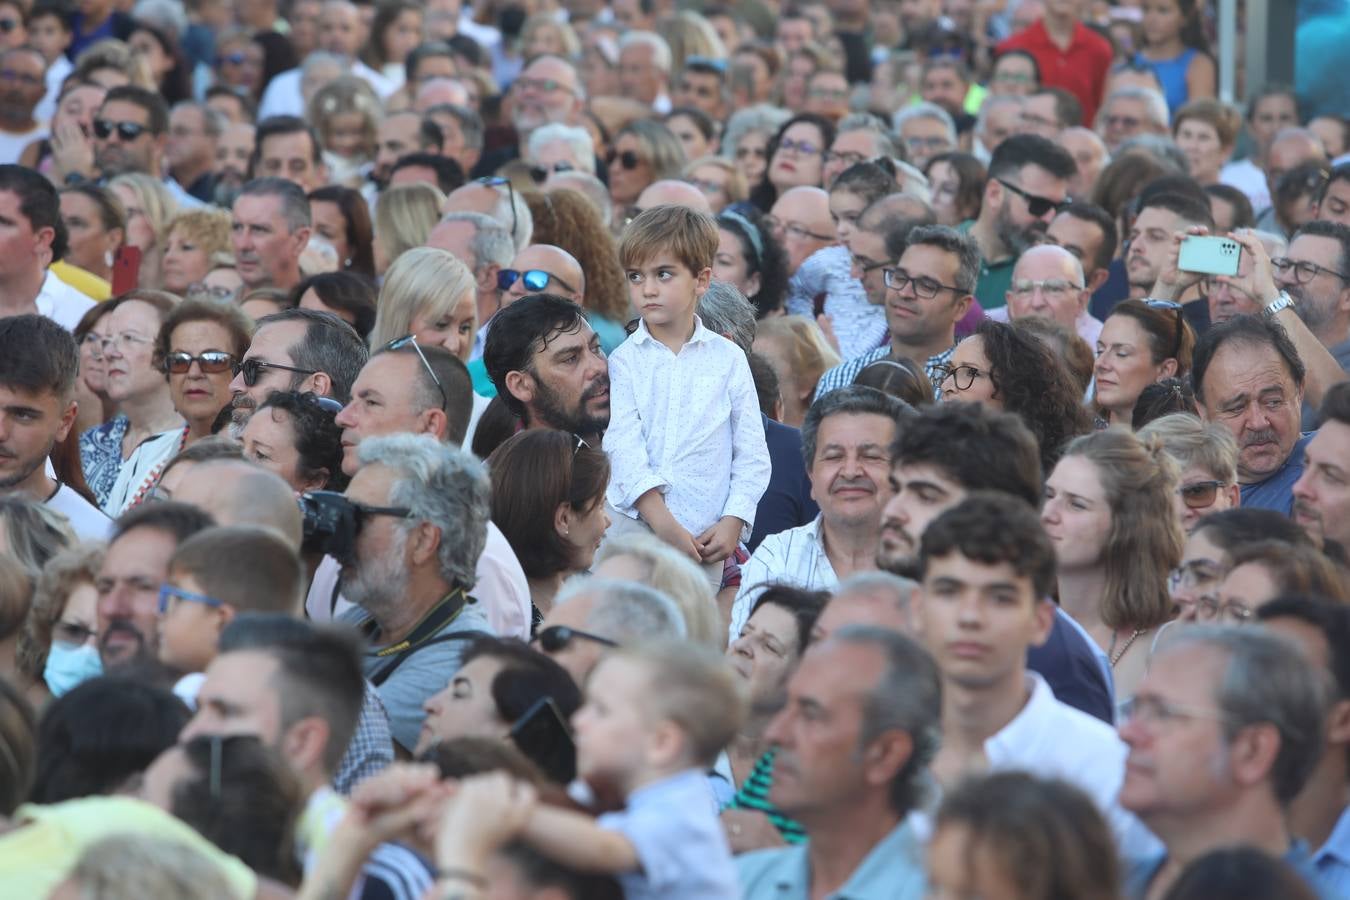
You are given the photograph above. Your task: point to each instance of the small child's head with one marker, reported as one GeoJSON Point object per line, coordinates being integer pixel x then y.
{"type": "Point", "coordinates": [654, 710]}
{"type": "Point", "coordinates": [669, 238]}
{"type": "Point", "coordinates": [1012, 834]}
{"type": "Point", "coordinates": [49, 29]}
{"type": "Point", "coordinates": [346, 114]}
{"type": "Point", "coordinates": [215, 575]}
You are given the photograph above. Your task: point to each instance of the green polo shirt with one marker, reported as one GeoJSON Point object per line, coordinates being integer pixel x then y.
{"type": "Point", "coordinates": [995, 278]}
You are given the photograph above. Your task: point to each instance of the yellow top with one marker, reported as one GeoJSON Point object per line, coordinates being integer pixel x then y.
{"type": "Point", "coordinates": [36, 856]}
{"type": "Point", "coordinates": [85, 282]}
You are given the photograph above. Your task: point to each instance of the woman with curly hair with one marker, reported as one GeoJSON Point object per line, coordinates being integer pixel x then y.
{"type": "Point", "coordinates": [1006, 369]}
{"type": "Point", "coordinates": [568, 220]}
{"type": "Point", "coordinates": [296, 436]}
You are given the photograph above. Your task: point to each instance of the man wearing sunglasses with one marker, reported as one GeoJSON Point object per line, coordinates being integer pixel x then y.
{"type": "Point", "coordinates": [38, 366]}
{"type": "Point", "coordinates": [590, 616]}
{"type": "Point", "coordinates": [1028, 184]}
{"type": "Point", "coordinates": [131, 130]}
{"type": "Point", "coordinates": [297, 350]}
{"type": "Point", "coordinates": [407, 388]}
{"type": "Point", "coordinates": [542, 268]}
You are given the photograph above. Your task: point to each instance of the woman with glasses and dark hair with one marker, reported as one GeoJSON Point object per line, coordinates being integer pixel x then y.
{"type": "Point", "coordinates": [198, 346]}
{"type": "Point", "coordinates": [548, 499]}
{"type": "Point", "coordinates": [644, 151]}
{"type": "Point", "coordinates": [507, 690]}
{"type": "Point", "coordinates": [796, 158]}
{"type": "Point", "coordinates": [294, 434]}
{"type": "Point", "coordinates": [1142, 341]}
{"type": "Point", "coordinates": [342, 218]}
{"type": "Point", "coordinates": [1010, 371]}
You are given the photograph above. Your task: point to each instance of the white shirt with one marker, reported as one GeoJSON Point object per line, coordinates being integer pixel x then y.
{"type": "Point", "coordinates": [56, 75]}
{"type": "Point", "coordinates": [501, 591]}
{"type": "Point", "coordinates": [859, 326]}
{"type": "Point", "coordinates": [687, 425]}
{"type": "Point", "coordinates": [87, 520]}
{"type": "Point", "coordinates": [62, 303]}
{"type": "Point", "coordinates": [1088, 326]}
{"type": "Point", "coordinates": [283, 96]}
{"type": "Point", "coordinates": [1051, 739]}
{"type": "Point", "coordinates": [1247, 177]}
{"type": "Point", "coordinates": [12, 143]}
{"type": "Point", "coordinates": [796, 557]}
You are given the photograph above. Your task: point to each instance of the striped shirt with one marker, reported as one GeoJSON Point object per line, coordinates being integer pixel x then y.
{"type": "Point", "coordinates": [796, 557]}
{"type": "Point", "coordinates": [843, 374]}
{"type": "Point", "coordinates": [754, 794]}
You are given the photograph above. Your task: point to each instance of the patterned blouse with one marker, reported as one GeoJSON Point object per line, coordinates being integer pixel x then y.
{"type": "Point", "coordinates": [101, 455]}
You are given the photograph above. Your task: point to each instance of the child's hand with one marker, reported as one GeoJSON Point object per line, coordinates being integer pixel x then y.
{"type": "Point", "coordinates": [719, 541]}
{"type": "Point", "coordinates": [674, 534]}
{"type": "Point", "coordinates": [485, 813]}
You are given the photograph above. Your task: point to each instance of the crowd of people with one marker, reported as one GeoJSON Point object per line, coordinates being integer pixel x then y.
{"type": "Point", "coordinates": [782, 449]}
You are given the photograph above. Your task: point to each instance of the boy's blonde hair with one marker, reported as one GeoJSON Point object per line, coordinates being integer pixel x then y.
{"type": "Point", "coordinates": [692, 686]}
{"type": "Point", "coordinates": [690, 236]}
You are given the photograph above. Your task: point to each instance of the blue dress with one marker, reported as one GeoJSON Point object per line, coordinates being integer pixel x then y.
{"type": "Point", "coordinates": [1172, 76]}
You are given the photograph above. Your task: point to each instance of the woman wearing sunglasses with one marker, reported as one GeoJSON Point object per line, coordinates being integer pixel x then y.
{"type": "Point", "coordinates": [198, 346]}
{"type": "Point", "coordinates": [1141, 342]}
{"type": "Point", "coordinates": [548, 493]}
{"type": "Point", "coordinates": [644, 151]}
{"type": "Point", "coordinates": [1207, 456]}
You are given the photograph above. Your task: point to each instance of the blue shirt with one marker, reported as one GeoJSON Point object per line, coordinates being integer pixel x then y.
{"type": "Point", "coordinates": [1068, 662]}
{"type": "Point", "coordinates": [677, 836]}
{"type": "Point", "coordinates": [787, 503]}
{"type": "Point", "coordinates": [1332, 862]}
{"type": "Point", "coordinates": [892, 870]}
{"type": "Point", "coordinates": [1276, 492]}
{"type": "Point", "coordinates": [1172, 76]}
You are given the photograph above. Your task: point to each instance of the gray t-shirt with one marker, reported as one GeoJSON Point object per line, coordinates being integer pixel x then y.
{"type": "Point", "coordinates": [426, 671]}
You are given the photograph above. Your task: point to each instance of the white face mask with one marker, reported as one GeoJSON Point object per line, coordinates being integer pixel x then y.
{"type": "Point", "coordinates": [68, 667]}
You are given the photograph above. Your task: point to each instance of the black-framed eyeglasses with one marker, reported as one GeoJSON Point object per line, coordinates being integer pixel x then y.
{"type": "Point", "coordinates": [411, 340]}
{"type": "Point", "coordinates": [847, 157]}
{"type": "Point", "coordinates": [962, 376]}
{"type": "Point", "coordinates": [1036, 204]}
{"type": "Point", "coordinates": [251, 369]}
{"type": "Point", "coordinates": [497, 181]}
{"type": "Point", "coordinates": [1175, 307]}
{"type": "Point", "coordinates": [534, 280]}
{"type": "Point", "coordinates": [212, 362]}
{"type": "Point", "coordinates": [866, 267]}
{"type": "Point", "coordinates": [1200, 494]}
{"type": "Point", "coordinates": [1304, 271]}
{"type": "Point", "coordinates": [925, 288]}
{"type": "Point", "coordinates": [556, 637]}
{"type": "Point", "coordinates": [127, 131]}
{"type": "Point", "coordinates": [539, 174]}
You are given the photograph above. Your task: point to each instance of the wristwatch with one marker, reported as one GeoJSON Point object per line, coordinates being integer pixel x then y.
{"type": "Point", "coordinates": [1282, 301]}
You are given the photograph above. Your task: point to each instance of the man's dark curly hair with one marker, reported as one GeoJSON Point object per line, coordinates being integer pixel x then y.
{"type": "Point", "coordinates": [1034, 385]}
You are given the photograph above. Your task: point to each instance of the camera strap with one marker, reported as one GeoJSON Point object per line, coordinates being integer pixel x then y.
{"type": "Point", "coordinates": [424, 635]}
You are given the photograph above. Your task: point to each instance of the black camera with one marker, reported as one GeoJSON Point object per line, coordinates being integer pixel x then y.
{"type": "Point", "coordinates": [331, 524]}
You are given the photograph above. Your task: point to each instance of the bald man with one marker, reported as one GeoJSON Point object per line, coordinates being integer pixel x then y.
{"type": "Point", "coordinates": [670, 192]}
{"type": "Point", "coordinates": [801, 222]}
{"type": "Point", "coordinates": [236, 492]}
{"type": "Point", "coordinates": [1292, 147]}
{"type": "Point", "coordinates": [565, 277]}
{"type": "Point", "coordinates": [1048, 281]}
{"type": "Point", "coordinates": [438, 92]}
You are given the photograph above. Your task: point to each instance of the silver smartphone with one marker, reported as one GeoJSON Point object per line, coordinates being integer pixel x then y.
{"type": "Point", "coordinates": [1209, 255]}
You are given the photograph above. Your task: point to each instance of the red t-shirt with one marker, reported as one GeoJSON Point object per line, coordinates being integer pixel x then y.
{"type": "Point", "coordinates": [1081, 70]}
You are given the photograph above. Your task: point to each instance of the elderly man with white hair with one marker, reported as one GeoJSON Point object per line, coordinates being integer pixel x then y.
{"type": "Point", "coordinates": [1048, 281]}
{"type": "Point", "coordinates": [1131, 111]}
{"type": "Point", "coordinates": [556, 147]}
{"type": "Point", "coordinates": [644, 69]}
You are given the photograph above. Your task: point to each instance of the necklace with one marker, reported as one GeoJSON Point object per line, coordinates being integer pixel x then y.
{"type": "Point", "coordinates": [1115, 657]}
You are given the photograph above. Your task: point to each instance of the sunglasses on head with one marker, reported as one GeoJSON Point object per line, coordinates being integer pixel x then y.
{"type": "Point", "coordinates": [1176, 308]}
{"type": "Point", "coordinates": [1200, 494]}
{"type": "Point", "coordinates": [534, 280]}
{"type": "Point", "coordinates": [410, 340]}
{"type": "Point", "coordinates": [556, 637]}
{"type": "Point", "coordinates": [251, 369]}
{"type": "Point", "coordinates": [212, 362]}
{"type": "Point", "coordinates": [494, 181]}
{"type": "Point", "coordinates": [127, 131]}
{"type": "Point", "coordinates": [628, 159]}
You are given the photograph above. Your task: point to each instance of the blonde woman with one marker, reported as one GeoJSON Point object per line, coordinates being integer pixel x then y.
{"type": "Point", "coordinates": [194, 240]}
{"type": "Point", "coordinates": [647, 559]}
{"type": "Point", "coordinates": [150, 208]}
{"type": "Point", "coordinates": [404, 217]}
{"type": "Point", "coordinates": [690, 34]}
{"type": "Point", "coordinates": [799, 355]}
{"type": "Point", "coordinates": [544, 34]}
{"type": "Point", "coordinates": [430, 294]}
{"type": "Point", "coordinates": [719, 180]}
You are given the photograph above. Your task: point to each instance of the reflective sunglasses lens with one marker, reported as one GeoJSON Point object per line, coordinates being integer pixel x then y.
{"type": "Point", "coordinates": [179, 363]}
{"type": "Point", "coordinates": [536, 280]}
{"type": "Point", "coordinates": [506, 278]}
{"type": "Point", "coordinates": [214, 362]}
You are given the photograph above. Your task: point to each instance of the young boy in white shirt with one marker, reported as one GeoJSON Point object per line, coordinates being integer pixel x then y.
{"type": "Point", "coordinates": [654, 721]}
{"type": "Point", "coordinates": [685, 440]}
